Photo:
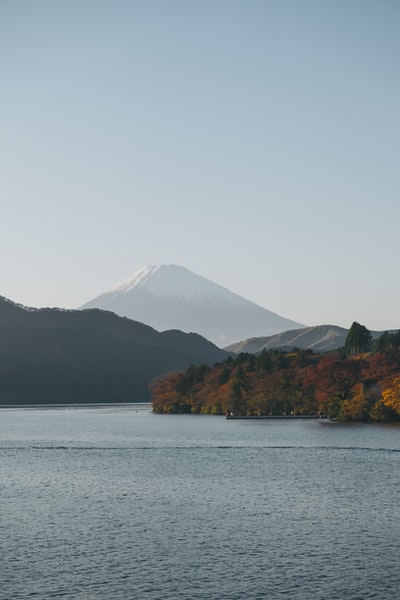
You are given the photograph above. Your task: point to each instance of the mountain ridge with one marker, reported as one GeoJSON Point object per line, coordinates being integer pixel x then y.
{"type": "Point", "coordinates": [53, 355]}
{"type": "Point", "coordinates": [319, 338]}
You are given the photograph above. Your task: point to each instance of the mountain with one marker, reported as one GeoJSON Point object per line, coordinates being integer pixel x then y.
{"type": "Point", "coordinates": [320, 338]}
{"type": "Point", "coordinates": [54, 355]}
{"type": "Point", "coordinates": [172, 297]}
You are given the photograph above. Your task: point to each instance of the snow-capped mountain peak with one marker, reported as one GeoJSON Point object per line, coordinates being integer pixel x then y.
{"type": "Point", "coordinates": [139, 278]}
{"type": "Point", "coordinates": [174, 281]}
{"type": "Point", "coordinates": [172, 297]}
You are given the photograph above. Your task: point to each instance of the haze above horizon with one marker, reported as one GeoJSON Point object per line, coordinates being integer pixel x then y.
{"type": "Point", "coordinates": [255, 143]}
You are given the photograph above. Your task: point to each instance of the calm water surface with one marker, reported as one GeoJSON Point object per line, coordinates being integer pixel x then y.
{"type": "Point", "coordinates": [117, 503]}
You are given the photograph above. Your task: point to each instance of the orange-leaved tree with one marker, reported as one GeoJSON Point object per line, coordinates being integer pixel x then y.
{"type": "Point", "coordinates": [391, 395]}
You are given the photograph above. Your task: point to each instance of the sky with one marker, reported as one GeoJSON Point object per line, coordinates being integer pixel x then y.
{"type": "Point", "coordinates": [255, 142]}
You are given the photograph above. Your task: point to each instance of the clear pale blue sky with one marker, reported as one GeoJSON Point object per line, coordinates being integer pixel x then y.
{"type": "Point", "coordinates": [254, 142]}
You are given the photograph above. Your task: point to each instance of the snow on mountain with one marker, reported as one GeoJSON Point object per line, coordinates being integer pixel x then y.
{"type": "Point", "coordinates": [172, 297]}
{"type": "Point", "coordinates": [173, 281]}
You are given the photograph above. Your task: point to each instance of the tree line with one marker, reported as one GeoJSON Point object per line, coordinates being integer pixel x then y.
{"type": "Point", "coordinates": [358, 382]}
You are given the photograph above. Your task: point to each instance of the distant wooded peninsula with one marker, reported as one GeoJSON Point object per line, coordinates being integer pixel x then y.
{"type": "Point", "coordinates": [359, 382]}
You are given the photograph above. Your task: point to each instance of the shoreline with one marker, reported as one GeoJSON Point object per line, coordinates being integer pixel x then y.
{"type": "Point", "coordinates": [49, 406]}
{"type": "Point", "coordinates": [260, 417]}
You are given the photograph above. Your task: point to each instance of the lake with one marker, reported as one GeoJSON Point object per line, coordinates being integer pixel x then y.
{"type": "Point", "coordinates": [113, 503]}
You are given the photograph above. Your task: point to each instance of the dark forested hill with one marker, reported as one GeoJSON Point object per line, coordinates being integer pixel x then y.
{"type": "Point", "coordinates": [53, 355]}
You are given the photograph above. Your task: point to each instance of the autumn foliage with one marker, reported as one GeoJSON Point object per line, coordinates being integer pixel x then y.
{"type": "Point", "coordinates": [336, 384]}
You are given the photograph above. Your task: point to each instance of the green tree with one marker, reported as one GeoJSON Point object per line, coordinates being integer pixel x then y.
{"type": "Point", "coordinates": [387, 341]}
{"type": "Point", "coordinates": [358, 339]}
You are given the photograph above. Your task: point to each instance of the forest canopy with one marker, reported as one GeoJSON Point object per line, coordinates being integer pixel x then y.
{"type": "Point", "coordinates": [360, 382]}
